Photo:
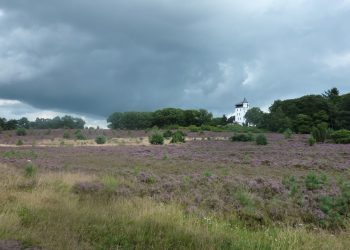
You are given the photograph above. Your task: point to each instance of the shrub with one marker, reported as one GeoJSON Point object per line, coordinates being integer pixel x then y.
{"type": "Point", "coordinates": [341, 136]}
{"type": "Point", "coordinates": [312, 181]}
{"type": "Point", "coordinates": [79, 135]}
{"type": "Point", "coordinates": [30, 170]}
{"type": "Point", "coordinates": [242, 137]}
{"type": "Point", "coordinates": [156, 139]}
{"type": "Point", "coordinates": [244, 198]}
{"type": "Point", "coordinates": [100, 139]}
{"type": "Point", "coordinates": [261, 140]}
{"type": "Point", "coordinates": [288, 133]}
{"type": "Point", "coordinates": [205, 127]}
{"type": "Point", "coordinates": [21, 132]}
{"type": "Point", "coordinates": [177, 137]}
{"type": "Point", "coordinates": [311, 141]}
{"type": "Point", "coordinates": [193, 128]}
{"type": "Point", "coordinates": [66, 135]}
{"type": "Point", "coordinates": [291, 184]}
{"type": "Point", "coordinates": [207, 173]}
{"type": "Point", "coordinates": [319, 132]}
{"type": "Point", "coordinates": [171, 126]}
{"type": "Point", "coordinates": [167, 134]}
{"type": "Point", "coordinates": [336, 207]}
{"type": "Point", "coordinates": [19, 143]}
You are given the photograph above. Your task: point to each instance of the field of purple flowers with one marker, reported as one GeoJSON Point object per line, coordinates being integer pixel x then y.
{"type": "Point", "coordinates": [286, 181]}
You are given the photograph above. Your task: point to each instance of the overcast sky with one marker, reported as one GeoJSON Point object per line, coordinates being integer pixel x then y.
{"type": "Point", "coordinates": [91, 58]}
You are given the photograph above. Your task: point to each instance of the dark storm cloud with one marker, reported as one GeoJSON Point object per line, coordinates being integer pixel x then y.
{"type": "Point", "coordinates": [96, 57]}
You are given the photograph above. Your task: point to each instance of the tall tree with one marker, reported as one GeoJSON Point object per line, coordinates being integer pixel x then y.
{"type": "Point", "coordinates": [254, 116]}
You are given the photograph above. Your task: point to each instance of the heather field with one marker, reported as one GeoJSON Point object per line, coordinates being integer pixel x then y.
{"type": "Point", "coordinates": [207, 193]}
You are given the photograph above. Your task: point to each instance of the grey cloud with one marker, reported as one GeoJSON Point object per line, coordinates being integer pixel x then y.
{"type": "Point", "coordinates": [96, 57]}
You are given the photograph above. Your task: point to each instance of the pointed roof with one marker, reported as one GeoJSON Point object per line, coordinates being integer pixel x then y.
{"type": "Point", "coordinates": [241, 103]}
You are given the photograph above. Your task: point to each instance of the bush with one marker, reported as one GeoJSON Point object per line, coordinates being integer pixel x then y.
{"type": "Point", "coordinates": [177, 137]}
{"type": "Point", "coordinates": [21, 132]}
{"type": "Point", "coordinates": [30, 170]}
{"type": "Point", "coordinates": [156, 139]}
{"type": "Point", "coordinates": [312, 181]}
{"type": "Point", "coordinates": [336, 207]}
{"type": "Point", "coordinates": [311, 141]}
{"type": "Point", "coordinates": [242, 137]}
{"type": "Point", "coordinates": [171, 126]}
{"type": "Point", "coordinates": [194, 128]}
{"type": "Point", "coordinates": [167, 134]}
{"type": "Point", "coordinates": [206, 127]}
{"type": "Point", "coordinates": [341, 136]}
{"type": "Point", "coordinates": [288, 133]}
{"type": "Point", "coordinates": [19, 143]}
{"type": "Point", "coordinates": [79, 135]}
{"type": "Point", "coordinates": [319, 133]}
{"type": "Point", "coordinates": [66, 135]}
{"type": "Point", "coordinates": [100, 139]}
{"type": "Point", "coordinates": [261, 140]}
{"type": "Point", "coordinates": [291, 183]}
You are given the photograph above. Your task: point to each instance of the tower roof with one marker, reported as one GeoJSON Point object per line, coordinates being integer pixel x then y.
{"type": "Point", "coordinates": [241, 103]}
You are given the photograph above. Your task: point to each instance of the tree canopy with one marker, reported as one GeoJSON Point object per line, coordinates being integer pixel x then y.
{"type": "Point", "coordinates": [43, 123]}
{"type": "Point", "coordinates": [302, 114]}
{"type": "Point", "coordinates": [161, 118]}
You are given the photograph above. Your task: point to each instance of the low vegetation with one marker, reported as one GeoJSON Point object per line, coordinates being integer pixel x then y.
{"type": "Point", "coordinates": [311, 141]}
{"type": "Point", "coordinates": [100, 139]}
{"type": "Point", "coordinates": [21, 132]}
{"type": "Point", "coordinates": [341, 136]}
{"type": "Point", "coordinates": [178, 137]}
{"type": "Point", "coordinates": [79, 135]}
{"type": "Point", "coordinates": [244, 137]}
{"type": "Point", "coordinates": [260, 139]}
{"type": "Point", "coordinates": [156, 139]}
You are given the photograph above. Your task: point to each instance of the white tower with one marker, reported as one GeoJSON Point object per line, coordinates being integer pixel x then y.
{"type": "Point", "coordinates": [240, 111]}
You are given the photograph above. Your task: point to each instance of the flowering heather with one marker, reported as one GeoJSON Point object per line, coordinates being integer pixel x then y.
{"type": "Point", "coordinates": [204, 175]}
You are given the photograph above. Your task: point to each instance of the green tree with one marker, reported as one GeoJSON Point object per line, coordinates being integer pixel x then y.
{"type": "Point", "coordinates": [254, 116]}
{"type": "Point", "coordinates": [169, 116]}
{"type": "Point", "coordinates": [303, 124]}
{"type": "Point", "coordinates": [332, 95]}
{"type": "Point", "coordinates": [342, 117]}
{"type": "Point", "coordinates": [23, 123]}
{"type": "Point", "coordinates": [204, 117]}
{"type": "Point", "coordinates": [276, 121]}
{"type": "Point", "coordinates": [11, 124]}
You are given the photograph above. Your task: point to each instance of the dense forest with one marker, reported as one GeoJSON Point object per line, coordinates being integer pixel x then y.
{"type": "Point", "coordinates": [165, 118]}
{"type": "Point", "coordinates": [301, 115]}
{"type": "Point", "coordinates": [42, 123]}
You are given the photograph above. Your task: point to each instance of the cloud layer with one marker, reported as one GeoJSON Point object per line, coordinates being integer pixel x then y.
{"type": "Point", "coordinates": [96, 57]}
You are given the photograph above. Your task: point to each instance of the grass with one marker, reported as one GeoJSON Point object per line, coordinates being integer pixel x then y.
{"type": "Point", "coordinates": [53, 217]}
{"type": "Point", "coordinates": [24, 154]}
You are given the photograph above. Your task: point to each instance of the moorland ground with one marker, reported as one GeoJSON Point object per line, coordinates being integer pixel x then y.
{"type": "Point", "coordinates": [207, 193]}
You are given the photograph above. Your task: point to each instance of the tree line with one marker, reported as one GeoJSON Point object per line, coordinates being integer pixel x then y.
{"type": "Point", "coordinates": [301, 115]}
{"type": "Point", "coordinates": [164, 118]}
{"type": "Point", "coordinates": [43, 123]}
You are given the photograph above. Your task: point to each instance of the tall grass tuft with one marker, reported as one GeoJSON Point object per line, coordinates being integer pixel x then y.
{"type": "Point", "coordinates": [30, 170]}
